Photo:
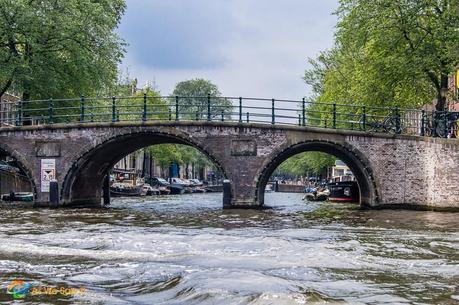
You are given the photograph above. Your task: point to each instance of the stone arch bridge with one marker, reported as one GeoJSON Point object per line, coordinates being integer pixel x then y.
{"type": "Point", "coordinates": [391, 170]}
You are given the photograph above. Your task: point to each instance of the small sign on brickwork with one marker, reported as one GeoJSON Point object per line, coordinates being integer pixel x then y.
{"type": "Point", "coordinates": [48, 173]}
{"type": "Point", "coordinates": [243, 148]}
{"type": "Point", "coordinates": [48, 149]}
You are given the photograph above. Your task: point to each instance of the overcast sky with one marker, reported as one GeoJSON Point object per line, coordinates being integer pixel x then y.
{"type": "Point", "coordinates": [246, 47]}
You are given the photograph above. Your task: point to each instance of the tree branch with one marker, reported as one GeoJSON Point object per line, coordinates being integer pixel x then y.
{"type": "Point", "coordinates": [6, 86]}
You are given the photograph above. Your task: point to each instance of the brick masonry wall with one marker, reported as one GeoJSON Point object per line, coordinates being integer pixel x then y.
{"type": "Point", "coordinates": [413, 171]}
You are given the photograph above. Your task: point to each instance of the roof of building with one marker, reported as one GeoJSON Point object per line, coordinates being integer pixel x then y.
{"type": "Point", "coordinates": [9, 98]}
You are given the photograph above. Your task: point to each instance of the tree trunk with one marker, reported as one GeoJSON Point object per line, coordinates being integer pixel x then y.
{"type": "Point", "coordinates": [26, 83]}
{"type": "Point", "coordinates": [170, 173]}
{"type": "Point", "coordinates": [186, 171]}
{"type": "Point", "coordinates": [151, 165]}
{"type": "Point", "coordinates": [201, 173]}
{"type": "Point", "coordinates": [6, 87]}
{"type": "Point", "coordinates": [144, 165]}
{"type": "Point", "coordinates": [441, 93]}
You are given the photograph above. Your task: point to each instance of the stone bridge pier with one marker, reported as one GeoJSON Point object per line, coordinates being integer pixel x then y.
{"type": "Point", "coordinates": [391, 170]}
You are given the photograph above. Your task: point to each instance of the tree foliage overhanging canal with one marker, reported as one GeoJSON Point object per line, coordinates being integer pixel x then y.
{"type": "Point", "coordinates": [389, 53]}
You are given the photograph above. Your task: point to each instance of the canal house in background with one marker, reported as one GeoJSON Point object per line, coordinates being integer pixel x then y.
{"type": "Point", "coordinates": [7, 104]}
{"type": "Point", "coordinates": [341, 172]}
{"type": "Point", "coordinates": [146, 166]}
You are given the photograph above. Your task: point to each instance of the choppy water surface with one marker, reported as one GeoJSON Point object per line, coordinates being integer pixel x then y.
{"type": "Point", "coordinates": [186, 250]}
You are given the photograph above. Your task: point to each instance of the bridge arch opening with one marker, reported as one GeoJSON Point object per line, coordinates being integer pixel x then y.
{"type": "Point", "coordinates": [368, 195]}
{"type": "Point", "coordinates": [15, 176]}
{"type": "Point", "coordinates": [83, 183]}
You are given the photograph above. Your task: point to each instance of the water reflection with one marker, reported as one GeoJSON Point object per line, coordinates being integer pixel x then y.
{"type": "Point", "coordinates": [186, 250]}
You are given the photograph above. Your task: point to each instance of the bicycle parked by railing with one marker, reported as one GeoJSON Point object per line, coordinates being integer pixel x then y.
{"type": "Point", "coordinates": [374, 123]}
{"type": "Point", "coordinates": [443, 124]}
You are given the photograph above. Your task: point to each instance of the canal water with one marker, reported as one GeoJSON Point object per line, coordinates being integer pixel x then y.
{"type": "Point", "coordinates": [186, 250]}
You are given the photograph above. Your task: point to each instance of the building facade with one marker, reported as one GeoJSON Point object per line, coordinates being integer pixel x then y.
{"type": "Point", "coordinates": [7, 107]}
{"type": "Point", "coordinates": [341, 172]}
{"type": "Point", "coordinates": [146, 166]}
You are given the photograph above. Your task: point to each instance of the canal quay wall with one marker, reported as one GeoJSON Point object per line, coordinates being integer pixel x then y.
{"type": "Point", "coordinates": [414, 172]}
{"type": "Point", "coordinates": [391, 170]}
{"type": "Point", "coordinates": [290, 188]}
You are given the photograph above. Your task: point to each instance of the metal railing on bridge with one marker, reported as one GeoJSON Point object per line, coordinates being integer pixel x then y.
{"type": "Point", "coordinates": [234, 109]}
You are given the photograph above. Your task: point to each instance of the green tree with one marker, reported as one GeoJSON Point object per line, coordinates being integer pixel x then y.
{"type": "Point", "coordinates": [167, 154]}
{"type": "Point", "coordinates": [307, 162]}
{"type": "Point", "coordinates": [193, 96]}
{"type": "Point", "coordinates": [389, 52]}
{"type": "Point", "coordinates": [130, 104]}
{"type": "Point", "coordinates": [59, 48]}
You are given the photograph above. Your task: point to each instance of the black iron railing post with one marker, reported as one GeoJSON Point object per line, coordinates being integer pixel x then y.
{"type": "Point", "coordinates": [303, 109]}
{"type": "Point", "coordinates": [299, 119]}
{"type": "Point", "coordinates": [398, 128]}
{"type": "Point", "coordinates": [82, 106]}
{"type": "Point", "coordinates": [364, 118]}
{"type": "Point", "coordinates": [197, 115]}
{"type": "Point", "coordinates": [170, 114]}
{"type": "Point", "coordinates": [240, 109]}
{"type": "Point", "coordinates": [273, 113]}
{"type": "Point", "coordinates": [334, 116]}
{"type": "Point", "coordinates": [248, 115]}
{"type": "Point", "coordinates": [113, 109]}
{"type": "Point", "coordinates": [144, 114]}
{"type": "Point", "coordinates": [423, 122]}
{"type": "Point", "coordinates": [19, 114]}
{"type": "Point", "coordinates": [208, 108]}
{"type": "Point", "coordinates": [50, 111]}
{"type": "Point", "coordinates": [223, 116]}
{"type": "Point", "coordinates": [176, 108]}
{"type": "Point", "coordinates": [445, 124]}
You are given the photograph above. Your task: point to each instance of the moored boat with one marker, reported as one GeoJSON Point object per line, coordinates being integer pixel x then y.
{"type": "Point", "coordinates": [149, 190]}
{"type": "Point", "coordinates": [345, 191]}
{"type": "Point", "coordinates": [120, 189]}
{"type": "Point", "coordinates": [176, 189]}
{"type": "Point", "coordinates": [7, 167]}
{"type": "Point", "coordinates": [20, 196]}
{"type": "Point", "coordinates": [179, 186]}
{"type": "Point", "coordinates": [198, 186]}
{"type": "Point", "coordinates": [162, 185]}
{"type": "Point", "coordinates": [316, 195]}
{"type": "Point", "coordinates": [164, 190]}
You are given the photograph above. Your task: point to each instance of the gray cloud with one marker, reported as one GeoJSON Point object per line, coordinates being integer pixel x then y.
{"type": "Point", "coordinates": [176, 34]}
{"type": "Point", "coordinates": [246, 47]}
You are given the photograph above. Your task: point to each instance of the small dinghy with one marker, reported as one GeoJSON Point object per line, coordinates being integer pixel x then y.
{"type": "Point", "coordinates": [316, 195]}
{"type": "Point", "coordinates": [20, 196]}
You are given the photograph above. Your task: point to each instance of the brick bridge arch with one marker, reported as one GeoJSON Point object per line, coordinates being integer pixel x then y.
{"type": "Point", "coordinates": [23, 164]}
{"type": "Point", "coordinates": [353, 158]}
{"type": "Point", "coordinates": [83, 182]}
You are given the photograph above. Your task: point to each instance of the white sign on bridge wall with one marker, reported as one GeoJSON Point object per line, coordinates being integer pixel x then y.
{"type": "Point", "coordinates": [48, 173]}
